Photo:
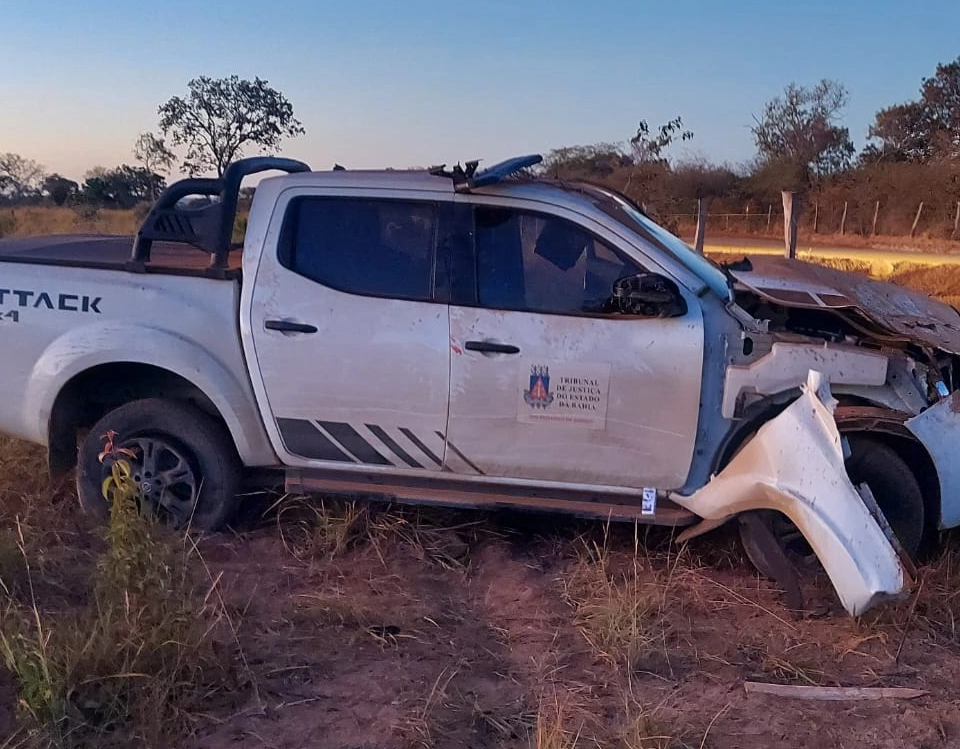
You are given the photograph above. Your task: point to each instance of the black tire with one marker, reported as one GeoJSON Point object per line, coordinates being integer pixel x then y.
{"type": "Point", "coordinates": [893, 485]}
{"type": "Point", "coordinates": [197, 471]}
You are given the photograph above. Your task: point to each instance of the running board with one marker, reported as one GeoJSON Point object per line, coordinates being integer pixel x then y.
{"type": "Point", "coordinates": [452, 493]}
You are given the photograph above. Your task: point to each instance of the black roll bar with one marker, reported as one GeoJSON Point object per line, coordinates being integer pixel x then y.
{"type": "Point", "coordinates": [209, 227]}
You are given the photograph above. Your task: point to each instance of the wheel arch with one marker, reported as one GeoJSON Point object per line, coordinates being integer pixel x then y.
{"type": "Point", "coordinates": [855, 415]}
{"type": "Point", "coordinates": [95, 391]}
{"type": "Point", "coordinates": [133, 360]}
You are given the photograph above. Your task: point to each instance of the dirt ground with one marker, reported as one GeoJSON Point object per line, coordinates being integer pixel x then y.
{"type": "Point", "coordinates": [431, 628]}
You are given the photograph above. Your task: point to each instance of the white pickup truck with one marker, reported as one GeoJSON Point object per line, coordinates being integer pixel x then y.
{"type": "Point", "coordinates": [488, 338]}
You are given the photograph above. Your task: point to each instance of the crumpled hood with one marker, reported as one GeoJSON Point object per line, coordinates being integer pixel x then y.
{"type": "Point", "coordinates": [899, 311]}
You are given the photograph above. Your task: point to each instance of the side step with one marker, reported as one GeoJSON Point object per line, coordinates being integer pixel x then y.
{"type": "Point", "coordinates": [452, 493]}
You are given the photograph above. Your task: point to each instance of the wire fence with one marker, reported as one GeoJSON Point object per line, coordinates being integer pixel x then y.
{"type": "Point", "coordinates": [940, 221]}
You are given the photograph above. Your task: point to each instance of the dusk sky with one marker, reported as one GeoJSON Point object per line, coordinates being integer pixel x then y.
{"type": "Point", "coordinates": [420, 82]}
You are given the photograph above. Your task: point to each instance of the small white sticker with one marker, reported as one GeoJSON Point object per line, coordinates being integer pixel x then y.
{"type": "Point", "coordinates": [553, 392]}
{"type": "Point", "coordinates": [649, 504]}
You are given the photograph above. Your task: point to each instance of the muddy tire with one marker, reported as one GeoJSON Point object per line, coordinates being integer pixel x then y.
{"type": "Point", "coordinates": [893, 485]}
{"type": "Point", "coordinates": [186, 464]}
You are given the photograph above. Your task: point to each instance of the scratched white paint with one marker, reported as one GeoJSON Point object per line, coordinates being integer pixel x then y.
{"type": "Point", "coordinates": [141, 319]}
{"type": "Point", "coordinates": [787, 365]}
{"type": "Point", "coordinates": [652, 403]}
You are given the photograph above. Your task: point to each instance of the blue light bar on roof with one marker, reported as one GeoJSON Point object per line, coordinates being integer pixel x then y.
{"type": "Point", "coordinates": [504, 169]}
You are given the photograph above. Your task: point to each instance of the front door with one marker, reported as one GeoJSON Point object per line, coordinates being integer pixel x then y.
{"type": "Point", "coordinates": [350, 339]}
{"type": "Point", "coordinates": [545, 386]}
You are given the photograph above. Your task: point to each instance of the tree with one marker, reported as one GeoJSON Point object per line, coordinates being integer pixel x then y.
{"type": "Point", "coordinates": [156, 158]}
{"type": "Point", "coordinates": [219, 118]}
{"type": "Point", "coordinates": [902, 132]}
{"type": "Point", "coordinates": [922, 130]}
{"type": "Point", "coordinates": [60, 189]}
{"type": "Point", "coordinates": [598, 160]}
{"type": "Point", "coordinates": [940, 95]}
{"type": "Point", "coordinates": [20, 178]}
{"type": "Point", "coordinates": [649, 163]}
{"type": "Point", "coordinates": [650, 148]}
{"type": "Point", "coordinates": [121, 187]}
{"type": "Point", "coordinates": [696, 177]}
{"type": "Point", "coordinates": [799, 132]}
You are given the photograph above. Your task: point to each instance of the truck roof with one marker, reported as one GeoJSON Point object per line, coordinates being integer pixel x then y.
{"type": "Point", "coordinates": [209, 227]}
{"type": "Point", "coordinates": [573, 195]}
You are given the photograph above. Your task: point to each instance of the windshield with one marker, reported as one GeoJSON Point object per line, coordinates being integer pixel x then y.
{"type": "Point", "coordinates": [706, 270]}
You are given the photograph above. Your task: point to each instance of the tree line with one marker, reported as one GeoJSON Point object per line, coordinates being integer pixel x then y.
{"type": "Point", "coordinates": [213, 124]}
{"type": "Point", "coordinates": [912, 155]}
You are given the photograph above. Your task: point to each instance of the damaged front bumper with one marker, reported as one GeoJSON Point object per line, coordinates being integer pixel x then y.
{"type": "Point", "coordinates": [795, 464]}
{"type": "Point", "coordinates": [938, 428]}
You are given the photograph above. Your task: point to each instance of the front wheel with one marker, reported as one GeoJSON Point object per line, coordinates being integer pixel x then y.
{"type": "Point", "coordinates": [893, 485]}
{"type": "Point", "coordinates": [182, 461]}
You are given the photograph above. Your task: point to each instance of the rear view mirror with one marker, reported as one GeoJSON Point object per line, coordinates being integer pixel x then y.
{"type": "Point", "coordinates": [647, 295]}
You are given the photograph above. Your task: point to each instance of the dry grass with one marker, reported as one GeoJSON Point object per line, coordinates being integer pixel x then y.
{"type": "Point", "coordinates": [646, 649]}
{"type": "Point", "coordinates": [326, 529]}
{"type": "Point", "coordinates": [36, 221]}
{"type": "Point", "coordinates": [619, 608]}
{"type": "Point", "coordinates": [125, 644]}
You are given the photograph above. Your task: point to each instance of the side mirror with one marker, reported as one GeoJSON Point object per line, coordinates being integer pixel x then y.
{"type": "Point", "coordinates": [647, 295]}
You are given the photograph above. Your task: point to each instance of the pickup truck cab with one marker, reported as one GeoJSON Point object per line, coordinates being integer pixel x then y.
{"type": "Point", "coordinates": [487, 338]}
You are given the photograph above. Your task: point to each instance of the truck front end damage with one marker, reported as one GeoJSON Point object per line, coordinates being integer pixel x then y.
{"type": "Point", "coordinates": [795, 465]}
{"type": "Point", "coordinates": [874, 363]}
{"type": "Point", "coordinates": [849, 319]}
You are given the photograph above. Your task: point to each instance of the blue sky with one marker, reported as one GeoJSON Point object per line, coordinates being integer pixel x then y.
{"type": "Point", "coordinates": [418, 82]}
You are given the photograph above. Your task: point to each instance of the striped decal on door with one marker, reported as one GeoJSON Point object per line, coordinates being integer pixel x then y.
{"type": "Point", "coordinates": [367, 444]}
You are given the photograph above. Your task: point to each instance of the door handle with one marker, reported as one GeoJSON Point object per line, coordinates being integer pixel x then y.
{"type": "Point", "coordinates": [288, 326]}
{"type": "Point", "coordinates": [491, 347]}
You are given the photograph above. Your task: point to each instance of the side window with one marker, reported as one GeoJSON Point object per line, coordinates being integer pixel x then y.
{"type": "Point", "coordinates": [362, 246]}
{"type": "Point", "coordinates": [537, 263]}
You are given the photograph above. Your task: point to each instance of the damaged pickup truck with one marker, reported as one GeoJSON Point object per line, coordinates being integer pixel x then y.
{"type": "Point", "coordinates": [487, 338]}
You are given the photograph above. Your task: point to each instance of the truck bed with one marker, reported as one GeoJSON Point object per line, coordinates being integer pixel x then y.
{"type": "Point", "coordinates": [108, 252]}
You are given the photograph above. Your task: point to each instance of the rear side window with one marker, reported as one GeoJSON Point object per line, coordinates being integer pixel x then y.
{"type": "Point", "coordinates": [362, 246]}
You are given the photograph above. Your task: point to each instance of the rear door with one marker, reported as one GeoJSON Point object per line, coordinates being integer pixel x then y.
{"type": "Point", "coordinates": [351, 333]}
{"type": "Point", "coordinates": [546, 387]}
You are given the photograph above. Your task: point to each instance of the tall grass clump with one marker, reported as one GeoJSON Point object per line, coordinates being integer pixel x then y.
{"type": "Point", "coordinates": [140, 660]}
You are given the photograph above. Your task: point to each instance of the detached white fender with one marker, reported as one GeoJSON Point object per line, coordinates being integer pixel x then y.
{"type": "Point", "coordinates": [795, 464]}
{"type": "Point", "coordinates": [225, 383]}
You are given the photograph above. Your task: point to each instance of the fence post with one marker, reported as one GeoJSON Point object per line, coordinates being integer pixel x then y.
{"type": "Point", "coordinates": [791, 211]}
{"type": "Point", "coordinates": [843, 219]}
{"type": "Point", "coordinates": [816, 216]}
{"type": "Point", "coordinates": [701, 224]}
{"type": "Point", "coordinates": [913, 229]}
{"type": "Point", "coordinates": [876, 212]}
{"type": "Point", "coordinates": [746, 227]}
{"type": "Point", "coordinates": [769, 216]}
{"type": "Point", "coordinates": [956, 222]}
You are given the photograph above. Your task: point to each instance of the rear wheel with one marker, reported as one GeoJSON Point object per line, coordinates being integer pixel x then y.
{"type": "Point", "coordinates": [893, 485]}
{"type": "Point", "coordinates": [183, 463]}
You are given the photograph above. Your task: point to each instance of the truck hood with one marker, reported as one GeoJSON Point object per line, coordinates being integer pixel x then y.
{"type": "Point", "coordinates": [883, 308]}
